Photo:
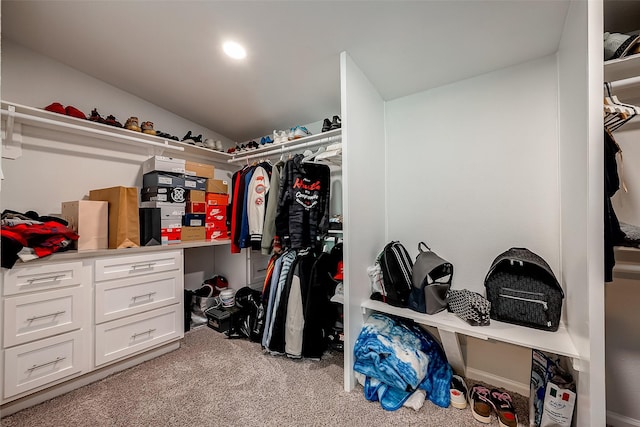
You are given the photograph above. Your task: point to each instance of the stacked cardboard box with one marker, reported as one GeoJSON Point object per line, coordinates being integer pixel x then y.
{"type": "Point", "coordinates": [216, 209]}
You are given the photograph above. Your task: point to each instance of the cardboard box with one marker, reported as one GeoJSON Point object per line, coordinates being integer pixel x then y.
{"type": "Point", "coordinates": [175, 222]}
{"type": "Point", "coordinates": [218, 186]}
{"type": "Point", "coordinates": [190, 234]}
{"type": "Point", "coordinates": [195, 183]}
{"type": "Point", "coordinates": [90, 220]}
{"type": "Point", "coordinates": [170, 235]}
{"type": "Point", "coordinates": [163, 194]}
{"type": "Point", "coordinates": [193, 220]}
{"type": "Point", "coordinates": [213, 211]}
{"type": "Point", "coordinates": [162, 179]}
{"type": "Point", "coordinates": [199, 169]}
{"type": "Point", "coordinates": [214, 199]}
{"type": "Point", "coordinates": [167, 210]}
{"type": "Point", "coordinates": [215, 232]}
{"type": "Point", "coordinates": [124, 220]}
{"type": "Point", "coordinates": [216, 224]}
{"type": "Point", "coordinates": [196, 196]}
{"type": "Point", "coordinates": [163, 164]}
{"type": "Point", "coordinates": [196, 207]}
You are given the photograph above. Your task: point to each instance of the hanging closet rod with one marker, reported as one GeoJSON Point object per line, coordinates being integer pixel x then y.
{"type": "Point", "coordinates": [626, 83]}
{"type": "Point", "coordinates": [56, 124]}
{"type": "Point", "coordinates": [285, 149]}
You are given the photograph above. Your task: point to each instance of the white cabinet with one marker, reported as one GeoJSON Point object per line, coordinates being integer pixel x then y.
{"type": "Point", "coordinates": [138, 303]}
{"type": "Point", "coordinates": [46, 319]}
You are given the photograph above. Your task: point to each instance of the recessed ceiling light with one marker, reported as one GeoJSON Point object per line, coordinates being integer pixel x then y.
{"type": "Point", "coordinates": [234, 50]}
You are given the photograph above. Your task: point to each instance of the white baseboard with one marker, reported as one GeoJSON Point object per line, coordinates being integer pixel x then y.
{"type": "Point", "coordinates": [617, 420]}
{"type": "Point", "coordinates": [498, 381]}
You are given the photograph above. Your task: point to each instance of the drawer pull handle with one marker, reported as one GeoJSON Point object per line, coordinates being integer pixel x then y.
{"type": "Point", "coordinates": [53, 362]}
{"type": "Point", "coordinates": [54, 315]}
{"type": "Point", "coordinates": [145, 266]}
{"type": "Point", "coordinates": [44, 279]}
{"type": "Point", "coordinates": [149, 295]}
{"type": "Point", "coordinates": [134, 336]}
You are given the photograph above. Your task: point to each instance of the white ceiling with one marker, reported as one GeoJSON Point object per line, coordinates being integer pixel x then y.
{"type": "Point", "coordinates": [169, 52]}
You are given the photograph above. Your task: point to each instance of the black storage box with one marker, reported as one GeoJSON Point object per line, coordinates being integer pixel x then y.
{"type": "Point", "coordinates": [523, 290]}
{"type": "Point", "coordinates": [219, 319]}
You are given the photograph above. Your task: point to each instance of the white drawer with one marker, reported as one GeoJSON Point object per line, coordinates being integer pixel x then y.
{"type": "Point", "coordinates": [258, 264]}
{"type": "Point", "coordinates": [42, 277]}
{"type": "Point", "coordinates": [124, 337]}
{"type": "Point", "coordinates": [120, 298]}
{"type": "Point", "coordinates": [42, 362]}
{"type": "Point", "coordinates": [43, 314]}
{"type": "Point", "coordinates": [120, 267]}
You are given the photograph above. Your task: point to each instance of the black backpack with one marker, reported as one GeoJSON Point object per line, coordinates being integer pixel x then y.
{"type": "Point", "coordinates": [397, 268]}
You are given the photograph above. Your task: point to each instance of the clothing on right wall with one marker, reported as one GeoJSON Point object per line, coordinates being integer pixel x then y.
{"type": "Point", "coordinates": [612, 232]}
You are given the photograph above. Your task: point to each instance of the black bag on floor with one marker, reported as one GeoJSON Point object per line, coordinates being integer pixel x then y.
{"type": "Point", "coordinates": [396, 266]}
{"type": "Point", "coordinates": [431, 279]}
{"type": "Point", "coordinates": [523, 290]}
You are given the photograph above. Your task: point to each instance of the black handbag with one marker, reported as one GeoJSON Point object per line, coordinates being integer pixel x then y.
{"type": "Point", "coordinates": [431, 278]}
{"type": "Point", "coordinates": [523, 290]}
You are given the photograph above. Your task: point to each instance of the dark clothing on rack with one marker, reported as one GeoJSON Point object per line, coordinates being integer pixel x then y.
{"type": "Point", "coordinates": [303, 203]}
{"type": "Point", "coordinates": [612, 232]}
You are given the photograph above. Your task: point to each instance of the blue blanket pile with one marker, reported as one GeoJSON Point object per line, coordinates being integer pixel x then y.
{"type": "Point", "coordinates": [397, 357]}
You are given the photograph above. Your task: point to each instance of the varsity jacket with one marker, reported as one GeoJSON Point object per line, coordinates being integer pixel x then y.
{"type": "Point", "coordinates": [256, 203]}
{"type": "Point", "coordinates": [303, 203]}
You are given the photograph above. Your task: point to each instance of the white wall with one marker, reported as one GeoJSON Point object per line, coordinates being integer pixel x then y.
{"type": "Point", "coordinates": [52, 169]}
{"type": "Point", "coordinates": [472, 170]}
{"type": "Point", "coordinates": [364, 196]}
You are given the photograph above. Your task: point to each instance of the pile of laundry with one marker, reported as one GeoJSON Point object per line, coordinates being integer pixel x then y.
{"type": "Point", "coordinates": [29, 236]}
{"type": "Point", "coordinates": [400, 364]}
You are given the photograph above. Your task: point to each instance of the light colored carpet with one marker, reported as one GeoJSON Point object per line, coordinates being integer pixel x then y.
{"type": "Point", "coordinates": [214, 381]}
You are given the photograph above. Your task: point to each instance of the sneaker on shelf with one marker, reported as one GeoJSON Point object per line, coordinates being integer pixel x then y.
{"type": "Point", "coordinates": [189, 139]}
{"type": "Point", "coordinates": [268, 140]}
{"type": "Point", "coordinates": [326, 125]}
{"type": "Point", "coordinates": [503, 405]}
{"type": "Point", "coordinates": [481, 404]}
{"type": "Point", "coordinates": [74, 112]}
{"type": "Point", "coordinates": [112, 121]}
{"type": "Point", "coordinates": [210, 143]}
{"type": "Point", "coordinates": [147, 127]}
{"type": "Point", "coordinates": [131, 124]}
{"type": "Point", "coordinates": [95, 117]}
{"type": "Point", "coordinates": [300, 132]}
{"type": "Point", "coordinates": [218, 145]}
{"type": "Point", "coordinates": [617, 45]}
{"type": "Point", "coordinates": [458, 392]}
{"type": "Point", "coordinates": [56, 107]}
{"type": "Point", "coordinates": [336, 123]}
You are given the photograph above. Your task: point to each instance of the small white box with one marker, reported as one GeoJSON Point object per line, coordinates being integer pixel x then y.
{"type": "Point", "coordinates": [163, 164]}
{"type": "Point", "coordinates": [90, 220]}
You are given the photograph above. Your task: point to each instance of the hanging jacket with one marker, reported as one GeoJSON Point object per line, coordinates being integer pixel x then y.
{"type": "Point", "coordinates": [295, 323]}
{"type": "Point", "coordinates": [279, 308]}
{"type": "Point", "coordinates": [257, 191]}
{"type": "Point", "coordinates": [303, 203]}
{"type": "Point", "coordinates": [269, 229]}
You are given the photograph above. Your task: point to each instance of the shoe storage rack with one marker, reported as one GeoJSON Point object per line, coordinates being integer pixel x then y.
{"type": "Point", "coordinates": [273, 149]}
{"type": "Point", "coordinates": [15, 116]}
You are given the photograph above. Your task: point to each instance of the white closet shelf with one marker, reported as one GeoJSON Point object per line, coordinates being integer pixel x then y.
{"type": "Point", "coordinates": [623, 68]}
{"type": "Point", "coordinates": [15, 113]}
{"type": "Point", "coordinates": [274, 149]}
{"type": "Point", "coordinates": [558, 342]}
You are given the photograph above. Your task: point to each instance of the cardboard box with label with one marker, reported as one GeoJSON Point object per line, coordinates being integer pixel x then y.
{"type": "Point", "coordinates": [199, 169]}
{"type": "Point", "coordinates": [195, 183]}
{"type": "Point", "coordinates": [162, 179]}
{"type": "Point", "coordinates": [163, 194]}
{"type": "Point", "coordinates": [171, 235]}
{"type": "Point", "coordinates": [190, 234]}
{"type": "Point", "coordinates": [218, 186]}
{"type": "Point", "coordinates": [167, 210]}
{"type": "Point", "coordinates": [193, 220]}
{"type": "Point", "coordinates": [163, 164]}
{"type": "Point", "coordinates": [196, 207]}
{"type": "Point", "coordinates": [214, 199]}
{"type": "Point", "coordinates": [90, 220]}
{"type": "Point", "coordinates": [196, 196]}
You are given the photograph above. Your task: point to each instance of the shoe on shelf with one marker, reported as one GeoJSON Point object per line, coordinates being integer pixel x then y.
{"type": "Point", "coordinates": [112, 121]}
{"type": "Point", "coordinates": [147, 127]}
{"type": "Point", "coordinates": [458, 392]}
{"type": "Point", "coordinates": [503, 405]}
{"type": "Point", "coordinates": [219, 146]}
{"type": "Point", "coordinates": [210, 143]}
{"type": "Point", "coordinates": [74, 112]}
{"type": "Point", "coordinates": [617, 45]}
{"type": "Point", "coordinates": [56, 107]}
{"type": "Point", "coordinates": [132, 124]}
{"type": "Point", "coordinates": [95, 117]}
{"type": "Point", "coordinates": [481, 404]}
{"type": "Point", "coordinates": [188, 138]}
{"type": "Point", "coordinates": [326, 125]}
{"type": "Point", "coordinates": [198, 141]}
{"type": "Point", "coordinates": [300, 132]}
{"type": "Point", "coordinates": [336, 123]}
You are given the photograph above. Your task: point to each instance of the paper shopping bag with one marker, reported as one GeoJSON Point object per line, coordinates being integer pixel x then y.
{"type": "Point", "coordinates": [124, 222]}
